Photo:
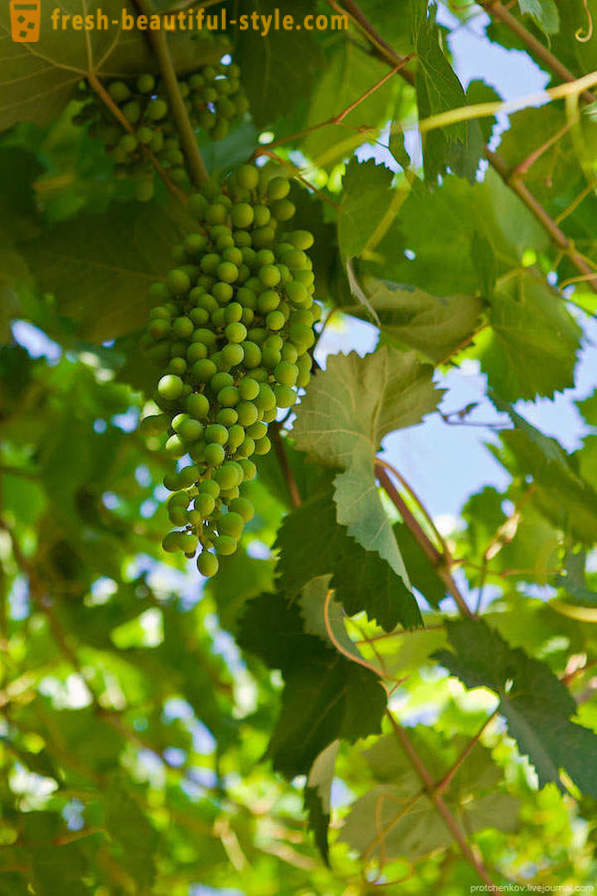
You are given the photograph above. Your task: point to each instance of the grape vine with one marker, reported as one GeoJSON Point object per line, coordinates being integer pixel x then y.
{"type": "Point", "coordinates": [233, 327]}
{"type": "Point", "coordinates": [214, 99]}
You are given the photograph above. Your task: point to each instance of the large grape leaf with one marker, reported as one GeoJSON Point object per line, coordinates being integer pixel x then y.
{"type": "Point", "coordinates": [435, 326]}
{"type": "Point", "coordinates": [348, 409]}
{"type": "Point", "coordinates": [326, 696]}
{"type": "Point", "coordinates": [536, 705]}
{"type": "Point", "coordinates": [100, 266]}
{"type": "Point", "coordinates": [38, 79]}
{"type": "Point", "coordinates": [349, 74]}
{"type": "Point", "coordinates": [530, 323]}
{"type": "Point", "coordinates": [318, 796]}
{"type": "Point", "coordinates": [382, 822]}
{"type": "Point", "coordinates": [366, 197]}
{"type": "Point", "coordinates": [561, 492]}
{"type": "Point", "coordinates": [312, 543]}
{"type": "Point", "coordinates": [280, 68]}
{"type": "Point", "coordinates": [458, 146]}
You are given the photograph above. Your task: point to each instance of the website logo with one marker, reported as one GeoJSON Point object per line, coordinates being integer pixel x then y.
{"type": "Point", "coordinates": [25, 19]}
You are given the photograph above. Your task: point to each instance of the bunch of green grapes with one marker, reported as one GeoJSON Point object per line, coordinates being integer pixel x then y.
{"type": "Point", "coordinates": [233, 327]}
{"type": "Point", "coordinates": [214, 99]}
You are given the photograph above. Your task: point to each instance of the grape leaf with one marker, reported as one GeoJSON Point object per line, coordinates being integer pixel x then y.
{"type": "Point", "coordinates": [366, 196]}
{"type": "Point", "coordinates": [112, 258]}
{"type": "Point", "coordinates": [458, 146]}
{"type": "Point", "coordinates": [278, 69]}
{"type": "Point", "coordinates": [317, 796]}
{"type": "Point", "coordinates": [414, 830]}
{"type": "Point", "coordinates": [420, 571]}
{"type": "Point", "coordinates": [312, 602]}
{"type": "Point", "coordinates": [536, 705]}
{"type": "Point", "coordinates": [132, 833]}
{"type": "Point", "coordinates": [326, 696]}
{"type": "Point", "coordinates": [347, 410]}
{"type": "Point", "coordinates": [349, 73]}
{"type": "Point", "coordinates": [567, 499]}
{"type": "Point", "coordinates": [529, 323]}
{"type": "Point", "coordinates": [435, 327]}
{"type": "Point", "coordinates": [312, 543]}
{"type": "Point", "coordinates": [543, 12]}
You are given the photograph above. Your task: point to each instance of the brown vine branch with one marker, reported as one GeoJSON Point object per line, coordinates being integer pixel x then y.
{"type": "Point", "coordinates": [437, 559]}
{"type": "Point", "coordinates": [440, 805]}
{"type": "Point", "coordinates": [159, 42]}
{"type": "Point", "coordinates": [278, 443]}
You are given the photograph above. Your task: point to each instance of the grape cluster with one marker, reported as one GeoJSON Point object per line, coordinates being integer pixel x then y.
{"type": "Point", "coordinates": [233, 327]}
{"type": "Point", "coordinates": [214, 99]}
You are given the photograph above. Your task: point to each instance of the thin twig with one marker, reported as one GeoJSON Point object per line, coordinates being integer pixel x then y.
{"type": "Point", "coordinates": [443, 810]}
{"type": "Point", "coordinates": [436, 557]}
{"type": "Point", "coordinates": [445, 782]}
{"type": "Point", "coordinates": [277, 442]}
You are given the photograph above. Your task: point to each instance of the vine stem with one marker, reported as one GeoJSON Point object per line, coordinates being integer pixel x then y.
{"type": "Point", "coordinates": [278, 443]}
{"type": "Point", "coordinates": [440, 805]}
{"type": "Point", "coordinates": [438, 560]}
{"type": "Point", "coordinates": [111, 105]}
{"type": "Point", "coordinates": [385, 52]}
{"type": "Point", "coordinates": [159, 42]}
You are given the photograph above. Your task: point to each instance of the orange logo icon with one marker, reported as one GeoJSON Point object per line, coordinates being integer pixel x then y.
{"type": "Point", "coordinates": [25, 19]}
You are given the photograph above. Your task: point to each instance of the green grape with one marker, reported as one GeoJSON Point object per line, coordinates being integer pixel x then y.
{"type": "Point", "coordinates": [242, 507]}
{"type": "Point", "coordinates": [154, 425]}
{"type": "Point", "coordinates": [170, 387]}
{"type": "Point", "coordinates": [286, 373]}
{"type": "Point", "coordinates": [214, 454]}
{"type": "Point", "coordinates": [205, 504]}
{"type": "Point", "coordinates": [207, 564]}
{"type": "Point", "coordinates": [225, 545]}
{"type": "Point", "coordinates": [231, 524]}
{"type": "Point", "coordinates": [217, 433]}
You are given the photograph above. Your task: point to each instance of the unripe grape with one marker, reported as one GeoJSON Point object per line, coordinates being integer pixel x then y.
{"type": "Point", "coordinates": [247, 176]}
{"type": "Point", "coordinates": [236, 436]}
{"type": "Point", "coordinates": [214, 454]}
{"type": "Point", "coordinates": [178, 282]}
{"type": "Point", "coordinates": [205, 504]}
{"type": "Point", "coordinates": [286, 373]}
{"type": "Point", "coordinates": [243, 507]}
{"type": "Point", "coordinates": [119, 91]}
{"type": "Point", "coordinates": [214, 432]}
{"type": "Point", "coordinates": [170, 387]}
{"type": "Point", "coordinates": [157, 109]}
{"type": "Point", "coordinates": [231, 524]}
{"type": "Point", "coordinates": [262, 446]}
{"type": "Point", "coordinates": [204, 370]}
{"type": "Point", "coordinates": [235, 332]}
{"type": "Point", "coordinates": [224, 545]}
{"type": "Point", "coordinates": [175, 446]}
{"type": "Point", "coordinates": [145, 83]}
{"type": "Point", "coordinates": [207, 564]}
{"type": "Point", "coordinates": [232, 354]}
{"type": "Point", "coordinates": [227, 417]}
{"type": "Point", "coordinates": [196, 351]}
{"type": "Point", "coordinates": [285, 396]}
{"type": "Point", "coordinates": [228, 397]}
{"type": "Point", "coordinates": [278, 188]}
{"type": "Point", "coordinates": [154, 425]}
{"type": "Point", "coordinates": [209, 487]}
